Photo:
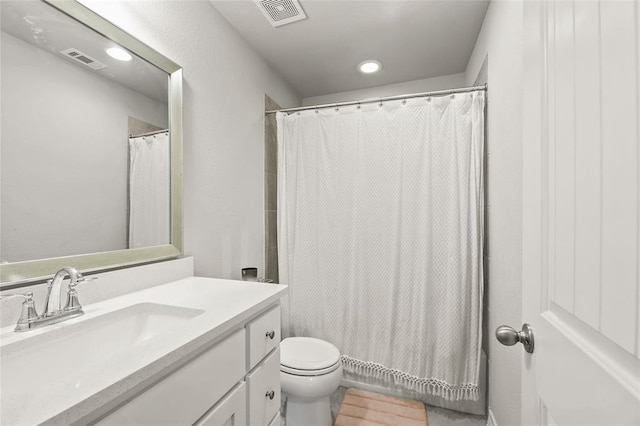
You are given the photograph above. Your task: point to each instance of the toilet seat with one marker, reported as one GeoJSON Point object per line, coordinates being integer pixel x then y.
{"type": "Point", "coordinates": [306, 356]}
{"type": "Point", "coordinates": [297, 372]}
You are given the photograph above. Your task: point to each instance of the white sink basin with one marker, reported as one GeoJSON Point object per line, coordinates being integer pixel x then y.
{"type": "Point", "coordinates": [75, 350]}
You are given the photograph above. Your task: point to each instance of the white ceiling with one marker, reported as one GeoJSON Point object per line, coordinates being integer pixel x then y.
{"type": "Point", "coordinates": [319, 55]}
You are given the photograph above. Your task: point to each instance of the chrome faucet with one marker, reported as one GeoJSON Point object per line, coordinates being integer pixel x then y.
{"type": "Point", "coordinates": [52, 312]}
{"type": "Point", "coordinates": [53, 302]}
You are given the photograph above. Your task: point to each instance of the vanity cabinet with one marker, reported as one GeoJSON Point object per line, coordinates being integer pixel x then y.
{"type": "Point", "coordinates": [236, 382]}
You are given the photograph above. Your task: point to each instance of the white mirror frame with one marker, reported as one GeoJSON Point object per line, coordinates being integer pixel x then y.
{"type": "Point", "coordinates": [20, 274]}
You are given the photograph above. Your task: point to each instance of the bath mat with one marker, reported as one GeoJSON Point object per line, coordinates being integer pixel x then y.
{"type": "Point", "coordinates": [361, 408]}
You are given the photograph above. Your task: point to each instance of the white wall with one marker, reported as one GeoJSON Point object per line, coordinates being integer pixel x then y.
{"type": "Point", "coordinates": [64, 154]}
{"type": "Point", "coordinates": [500, 41]}
{"type": "Point", "coordinates": [224, 86]}
{"type": "Point", "coordinates": [451, 81]}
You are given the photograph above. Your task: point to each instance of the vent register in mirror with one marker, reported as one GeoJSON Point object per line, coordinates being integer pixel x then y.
{"type": "Point", "coordinates": [83, 58]}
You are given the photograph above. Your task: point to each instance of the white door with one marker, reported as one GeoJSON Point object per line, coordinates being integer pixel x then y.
{"type": "Point", "coordinates": [581, 212]}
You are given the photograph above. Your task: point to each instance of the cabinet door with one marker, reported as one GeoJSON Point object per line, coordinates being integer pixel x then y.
{"type": "Point", "coordinates": [182, 397]}
{"type": "Point", "coordinates": [230, 411]}
{"type": "Point", "coordinates": [264, 390]}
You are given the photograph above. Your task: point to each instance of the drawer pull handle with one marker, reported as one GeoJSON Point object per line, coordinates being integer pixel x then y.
{"type": "Point", "coordinates": [270, 394]}
{"type": "Point", "coordinates": [271, 334]}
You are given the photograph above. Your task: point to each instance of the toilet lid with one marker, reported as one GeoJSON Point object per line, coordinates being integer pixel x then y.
{"type": "Point", "coordinates": [307, 353]}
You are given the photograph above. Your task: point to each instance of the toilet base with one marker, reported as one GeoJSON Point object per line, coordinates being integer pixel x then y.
{"type": "Point", "coordinates": [308, 412]}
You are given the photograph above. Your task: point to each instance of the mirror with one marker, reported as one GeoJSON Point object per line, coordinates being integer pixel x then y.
{"type": "Point", "coordinates": [91, 145]}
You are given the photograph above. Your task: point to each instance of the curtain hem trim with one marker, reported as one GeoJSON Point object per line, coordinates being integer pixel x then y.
{"type": "Point", "coordinates": [432, 386]}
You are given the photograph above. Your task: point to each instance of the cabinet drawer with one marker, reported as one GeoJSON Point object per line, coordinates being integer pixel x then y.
{"type": "Point", "coordinates": [260, 383]}
{"type": "Point", "coordinates": [185, 395]}
{"type": "Point", "coordinates": [230, 411]}
{"type": "Point", "coordinates": [264, 335]}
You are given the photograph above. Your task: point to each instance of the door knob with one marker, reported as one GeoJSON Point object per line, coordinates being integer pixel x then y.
{"type": "Point", "coordinates": [508, 336]}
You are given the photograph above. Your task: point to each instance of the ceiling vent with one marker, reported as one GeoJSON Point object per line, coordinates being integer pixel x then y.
{"type": "Point", "coordinates": [281, 12]}
{"type": "Point", "coordinates": [87, 60]}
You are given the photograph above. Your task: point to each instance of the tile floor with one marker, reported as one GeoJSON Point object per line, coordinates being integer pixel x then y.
{"type": "Point", "coordinates": [436, 416]}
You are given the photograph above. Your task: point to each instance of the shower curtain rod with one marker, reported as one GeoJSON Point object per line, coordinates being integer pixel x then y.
{"type": "Point", "coordinates": [388, 98]}
{"type": "Point", "coordinates": [155, 132]}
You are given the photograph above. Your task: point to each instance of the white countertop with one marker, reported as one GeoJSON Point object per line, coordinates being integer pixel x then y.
{"type": "Point", "coordinates": [226, 304]}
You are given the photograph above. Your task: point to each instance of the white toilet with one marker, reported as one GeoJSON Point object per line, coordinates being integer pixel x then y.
{"type": "Point", "coordinates": [310, 371]}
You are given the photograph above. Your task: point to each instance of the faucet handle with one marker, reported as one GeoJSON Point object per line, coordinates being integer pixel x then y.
{"type": "Point", "coordinates": [28, 314]}
{"type": "Point", "coordinates": [73, 304]}
{"type": "Point", "coordinates": [81, 280]}
{"type": "Point", "coordinates": [26, 296]}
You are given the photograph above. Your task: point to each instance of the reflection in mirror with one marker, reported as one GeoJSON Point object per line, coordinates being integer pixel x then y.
{"type": "Point", "coordinates": [66, 160]}
{"type": "Point", "coordinates": [87, 136]}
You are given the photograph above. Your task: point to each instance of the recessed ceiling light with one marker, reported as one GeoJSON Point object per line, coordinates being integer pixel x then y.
{"type": "Point", "coordinates": [119, 54]}
{"type": "Point", "coordinates": [369, 66]}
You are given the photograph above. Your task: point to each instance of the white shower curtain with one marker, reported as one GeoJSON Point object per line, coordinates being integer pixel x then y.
{"type": "Point", "coordinates": [380, 217]}
{"type": "Point", "coordinates": [149, 190]}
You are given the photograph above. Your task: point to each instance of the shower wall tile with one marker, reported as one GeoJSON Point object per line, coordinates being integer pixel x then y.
{"type": "Point", "coordinates": [271, 138]}
{"type": "Point", "coordinates": [271, 202]}
{"type": "Point", "coordinates": [271, 236]}
{"type": "Point", "coordinates": [271, 144]}
{"type": "Point", "coordinates": [270, 104]}
{"type": "Point", "coordinates": [270, 191]}
{"type": "Point", "coordinates": [272, 264]}
{"type": "Point", "coordinates": [136, 126]}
